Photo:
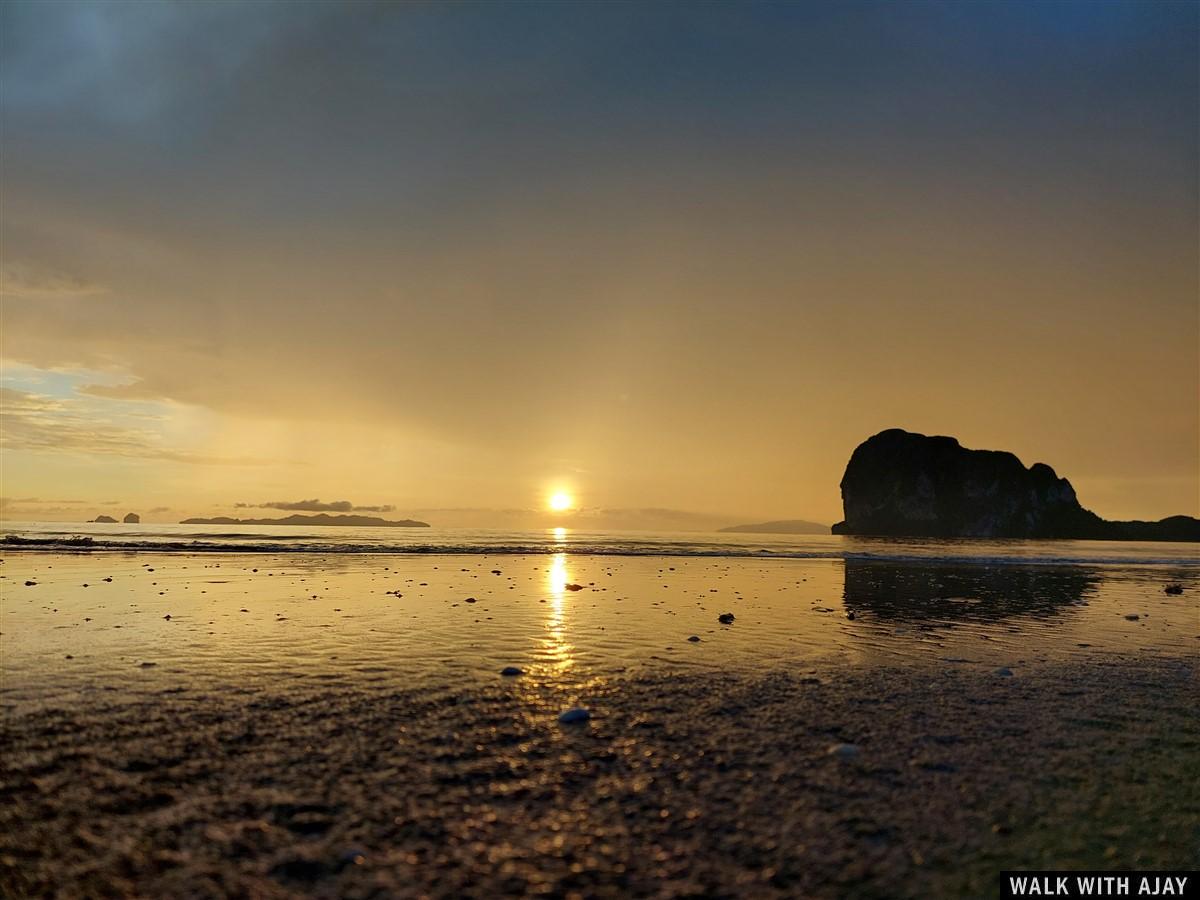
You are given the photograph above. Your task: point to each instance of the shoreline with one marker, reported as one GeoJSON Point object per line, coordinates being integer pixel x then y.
{"type": "Point", "coordinates": [88, 546]}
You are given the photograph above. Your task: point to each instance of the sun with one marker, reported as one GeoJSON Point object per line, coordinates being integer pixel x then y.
{"type": "Point", "coordinates": [561, 501]}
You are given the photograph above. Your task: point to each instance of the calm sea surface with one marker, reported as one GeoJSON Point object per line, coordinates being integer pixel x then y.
{"type": "Point", "coordinates": [327, 539]}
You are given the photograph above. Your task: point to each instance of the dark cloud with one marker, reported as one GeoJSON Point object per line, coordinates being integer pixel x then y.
{"type": "Point", "coordinates": [23, 281]}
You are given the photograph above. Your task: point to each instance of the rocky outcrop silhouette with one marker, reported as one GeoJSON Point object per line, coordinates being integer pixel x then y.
{"type": "Point", "coordinates": [107, 520]}
{"type": "Point", "coordinates": [898, 483]}
{"type": "Point", "coordinates": [132, 519]}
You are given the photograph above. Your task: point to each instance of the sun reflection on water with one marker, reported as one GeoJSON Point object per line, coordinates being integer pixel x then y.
{"type": "Point", "coordinates": [556, 650]}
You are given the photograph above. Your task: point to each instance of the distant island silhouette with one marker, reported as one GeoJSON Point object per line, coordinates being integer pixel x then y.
{"type": "Point", "coordinates": [130, 519]}
{"type": "Point", "coordinates": [320, 519]}
{"type": "Point", "coordinates": [902, 484]}
{"type": "Point", "coordinates": [780, 526]}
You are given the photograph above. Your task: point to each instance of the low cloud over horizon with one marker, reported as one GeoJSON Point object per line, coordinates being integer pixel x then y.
{"type": "Point", "coordinates": [314, 505]}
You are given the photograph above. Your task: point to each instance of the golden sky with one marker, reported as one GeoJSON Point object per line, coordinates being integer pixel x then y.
{"type": "Point", "coordinates": [665, 258]}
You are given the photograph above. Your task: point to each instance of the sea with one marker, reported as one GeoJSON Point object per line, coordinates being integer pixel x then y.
{"type": "Point", "coordinates": [394, 540]}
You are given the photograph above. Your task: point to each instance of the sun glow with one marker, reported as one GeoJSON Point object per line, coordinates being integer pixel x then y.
{"type": "Point", "coordinates": [561, 501]}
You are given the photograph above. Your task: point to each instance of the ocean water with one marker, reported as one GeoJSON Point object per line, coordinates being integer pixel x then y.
{"type": "Point", "coordinates": [91, 609]}
{"type": "Point", "coordinates": [336, 539]}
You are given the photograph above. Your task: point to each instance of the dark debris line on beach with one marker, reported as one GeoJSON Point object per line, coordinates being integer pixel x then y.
{"type": "Point", "coordinates": [715, 785]}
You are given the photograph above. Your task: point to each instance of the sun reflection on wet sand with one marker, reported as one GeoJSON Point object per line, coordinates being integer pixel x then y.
{"type": "Point", "coordinates": [557, 651]}
{"type": "Point", "coordinates": [569, 621]}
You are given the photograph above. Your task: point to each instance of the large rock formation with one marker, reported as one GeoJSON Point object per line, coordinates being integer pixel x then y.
{"type": "Point", "coordinates": [903, 484]}
{"type": "Point", "coordinates": [106, 520]}
{"type": "Point", "coordinates": [132, 519]}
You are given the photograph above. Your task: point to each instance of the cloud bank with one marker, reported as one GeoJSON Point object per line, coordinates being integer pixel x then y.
{"type": "Point", "coordinates": [315, 506]}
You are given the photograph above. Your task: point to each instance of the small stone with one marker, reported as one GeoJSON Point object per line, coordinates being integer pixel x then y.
{"type": "Point", "coordinates": [1132, 617]}
{"type": "Point", "coordinates": [1003, 672]}
{"type": "Point", "coordinates": [511, 671]}
{"type": "Point", "coordinates": [573, 587]}
{"type": "Point", "coordinates": [1173, 589]}
{"type": "Point", "coordinates": [725, 618]}
{"type": "Point", "coordinates": [30, 583]}
{"type": "Point", "coordinates": [844, 751]}
{"type": "Point", "coordinates": [469, 600]}
{"type": "Point", "coordinates": [167, 617]}
{"type": "Point", "coordinates": [850, 616]}
{"type": "Point", "coordinates": [694, 639]}
{"type": "Point", "coordinates": [574, 716]}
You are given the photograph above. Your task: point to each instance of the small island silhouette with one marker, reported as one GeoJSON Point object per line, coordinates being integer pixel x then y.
{"type": "Point", "coordinates": [130, 519]}
{"type": "Point", "coordinates": [320, 519]}
{"type": "Point", "coordinates": [902, 484]}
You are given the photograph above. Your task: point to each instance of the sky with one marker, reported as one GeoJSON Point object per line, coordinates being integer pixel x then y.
{"type": "Point", "coordinates": [676, 260]}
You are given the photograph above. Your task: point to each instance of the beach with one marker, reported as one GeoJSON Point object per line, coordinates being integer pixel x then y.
{"type": "Point", "coordinates": [277, 724]}
{"type": "Point", "coordinates": [595, 450]}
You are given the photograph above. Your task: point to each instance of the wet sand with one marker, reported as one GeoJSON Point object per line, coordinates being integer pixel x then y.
{"type": "Point", "coordinates": [172, 762]}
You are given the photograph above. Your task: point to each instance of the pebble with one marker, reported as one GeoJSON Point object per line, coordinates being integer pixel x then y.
{"type": "Point", "coordinates": [469, 600]}
{"type": "Point", "coordinates": [574, 716]}
{"type": "Point", "coordinates": [694, 639]}
{"type": "Point", "coordinates": [1003, 672]}
{"type": "Point", "coordinates": [512, 670]}
{"type": "Point", "coordinates": [844, 751]}
{"type": "Point", "coordinates": [1132, 617]}
{"type": "Point", "coordinates": [1173, 589]}
{"type": "Point", "coordinates": [725, 618]}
